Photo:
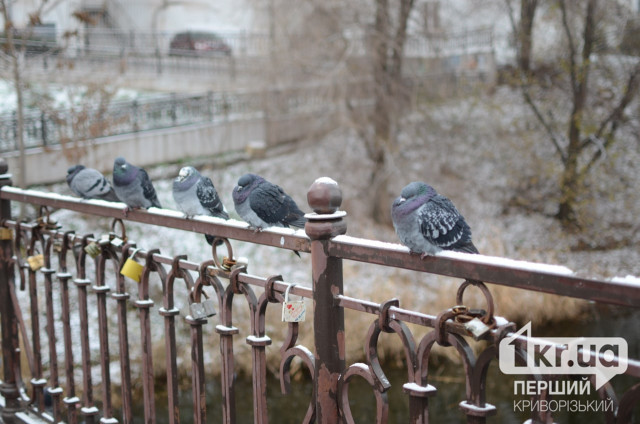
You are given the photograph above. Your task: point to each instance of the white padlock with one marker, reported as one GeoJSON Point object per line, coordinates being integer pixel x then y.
{"type": "Point", "coordinates": [294, 310]}
{"type": "Point", "coordinates": [203, 310]}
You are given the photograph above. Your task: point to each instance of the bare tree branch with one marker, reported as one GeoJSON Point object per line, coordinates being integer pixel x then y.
{"type": "Point", "coordinates": [614, 119]}
{"type": "Point", "coordinates": [545, 124]}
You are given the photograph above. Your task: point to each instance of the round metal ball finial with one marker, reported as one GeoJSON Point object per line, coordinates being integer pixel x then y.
{"type": "Point", "coordinates": [324, 196]}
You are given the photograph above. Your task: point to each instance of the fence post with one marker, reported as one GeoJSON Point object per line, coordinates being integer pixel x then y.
{"type": "Point", "coordinates": [10, 341]}
{"type": "Point", "coordinates": [324, 197]}
{"type": "Point", "coordinates": [43, 124]}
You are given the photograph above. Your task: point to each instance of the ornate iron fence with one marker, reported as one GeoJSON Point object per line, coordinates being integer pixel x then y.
{"type": "Point", "coordinates": [39, 252]}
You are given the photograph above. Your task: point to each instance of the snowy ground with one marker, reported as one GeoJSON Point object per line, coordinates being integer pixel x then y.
{"type": "Point", "coordinates": [481, 167]}
{"type": "Point", "coordinates": [60, 95]}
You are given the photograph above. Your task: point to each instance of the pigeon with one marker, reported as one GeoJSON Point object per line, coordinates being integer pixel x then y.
{"type": "Point", "coordinates": [427, 222]}
{"type": "Point", "coordinates": [133, 186]}
{"type": "Point", "coordinates": [263, 204]}
{"type": "Point", "coordinates": [89, 183]}
{"type": "Point", "coordinates": [195, 195]}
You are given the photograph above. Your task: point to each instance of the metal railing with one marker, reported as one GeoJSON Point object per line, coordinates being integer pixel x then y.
{"type": "Point", "coordinates": [45, 128]}
{"type": "Point", "coordinates": [39, 252]}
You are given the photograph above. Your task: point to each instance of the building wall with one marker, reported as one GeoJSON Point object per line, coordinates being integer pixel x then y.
{"type": "Point", "coordinates": [148, 148]}
{"type": "Point", "coordinates": [144, 15]}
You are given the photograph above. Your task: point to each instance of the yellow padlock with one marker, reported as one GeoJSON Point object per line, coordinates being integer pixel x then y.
{"type": "Point", "coordinates": [131, 268]}
{"type": "Point", "coordinates": [35, 262]}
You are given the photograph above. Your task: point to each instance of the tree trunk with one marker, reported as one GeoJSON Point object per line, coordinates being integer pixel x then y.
{"type": "Point", "coordinates": [387, 73]}
{"type": "Point", "coordinates": [525, 34]}
{"type": "Point", "coordinates": [580, 70]}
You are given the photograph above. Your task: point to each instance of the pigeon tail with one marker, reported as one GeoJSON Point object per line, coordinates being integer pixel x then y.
{"type": "Point", "coordinates": [467, 248]}
{"type": "Point", "coordinates": [298, 223]}
{"type": "Point", "coordinates": [210, 239]}
{"type": "Point", "coordinates": [110, 196]}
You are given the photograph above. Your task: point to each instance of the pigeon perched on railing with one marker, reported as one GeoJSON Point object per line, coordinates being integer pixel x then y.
{"type": "Point", "coordinates": [427, 222]}
{"type": "Point", "coordinates": [89, 183]}
{"type": "Point", "coordinates": [263, 204]}
{"type": "Point", "coordinates": [195, 194]}
{"type": "Point", "coordinates": [133, 186]}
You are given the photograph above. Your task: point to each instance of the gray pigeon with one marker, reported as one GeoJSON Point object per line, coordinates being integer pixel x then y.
{"type": "Point", "coordinates": [89, 183]}
{"type": "Point", "coordinates": [427, 222]}
{"type": "Point", "coordinates": [195, 195]}
{"type": "Point", "coordinates": [263, 204]}
{"type": "Point", "coordinates": [133, 186]}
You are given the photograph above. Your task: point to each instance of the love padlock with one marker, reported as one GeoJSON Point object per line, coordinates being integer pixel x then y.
{"type": "Point", "coordinates": [6, 233]}
{"type": "Point", "coordinates": [477, 328]}
{"type": "Point", "coordinates": [113, 239]}
{"type": "Point", "coordinates": [57, 245]}
{"type": "Point", "coordinates": [35, 262]}
{"type": "Point", "coordinates": [294, 310]}
{"type": "Point", "coordinates": [203, 310]}
{"type": "Point", "coordinates": [131, 268]}
{"type": "Point", "coordinates": [93, 249]}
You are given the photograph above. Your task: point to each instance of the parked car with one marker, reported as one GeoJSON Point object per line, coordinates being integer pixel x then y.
{"type": "Point", "coordinates": [198, 43]}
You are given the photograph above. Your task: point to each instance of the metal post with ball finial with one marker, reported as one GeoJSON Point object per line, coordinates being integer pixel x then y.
{"type": "Point", "coordinates": [325, 197]}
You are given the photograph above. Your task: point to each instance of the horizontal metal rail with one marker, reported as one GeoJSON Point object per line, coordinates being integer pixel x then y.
{"type": "Point", "coordinates": [552, 279]}
{"type": "Point", "coordinates": [525, 275]}
{"type": "Point", "coordinates": [237, 230]}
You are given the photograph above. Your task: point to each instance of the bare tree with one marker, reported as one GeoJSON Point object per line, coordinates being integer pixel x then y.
{"type": "Point", "coordinates": [590, 122]}
{"type": "Point", "coordinates": [523, 31]}
{"type": "Point", "coordinates": [389, 37]}
{"type": "Point", "coordinates": [16, 52]}
{"type": "Point", "coordinates": [350, 46]}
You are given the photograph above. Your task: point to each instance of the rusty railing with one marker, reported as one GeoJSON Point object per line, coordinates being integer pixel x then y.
{"type": "Point", "coordinates": [39, 253]}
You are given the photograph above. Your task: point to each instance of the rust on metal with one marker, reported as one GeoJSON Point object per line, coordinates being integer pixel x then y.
{"type": "Point", "coordinates": [57, 289]}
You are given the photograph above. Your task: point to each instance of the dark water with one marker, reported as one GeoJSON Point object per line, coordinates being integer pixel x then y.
{"type": "Point", "coordinates": [447, 377]}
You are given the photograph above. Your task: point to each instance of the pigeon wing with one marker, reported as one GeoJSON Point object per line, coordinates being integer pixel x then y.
{"type": "Point", "coordinates": [91, 184]}
{"type": "Point", "coordinates": [268, 201]}
{"type": "Point", "coordinates": [209, 199]}
{"type": "Point", "coordinates": [442, 224]}
{"type": "Point", "coordinates": [295, 217]}
{"type": "Point", "coordinates": [148, 191]}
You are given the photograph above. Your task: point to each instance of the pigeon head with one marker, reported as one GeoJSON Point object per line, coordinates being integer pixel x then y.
{"type": "Point", "coordinates": [245, 186]}
{"type": "Point", "coordinates": [187, 176]}
{"type": "Point", "coordinates": [73, 171]}
{"type": "Point", "coordinates": [123, 172]}
{"type": "Point", "coordinates": [412, 196]}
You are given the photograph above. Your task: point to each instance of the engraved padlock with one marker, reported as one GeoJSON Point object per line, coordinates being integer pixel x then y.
{"type": "Point", "coordinates": [477, 328]}
{"type": "Point", "coordinates": [57, 245]}
{"type": "Point", "coordinates": [35, 262]}
{"type": "Point", "coordinates": [293, 310]}
{"type": "Point", "coordinates": [131, 268]}
{"type": "Point", "coordinates": [203, 310]}
{"type": "Point", "coordinates": [6, 233]}
{"type": "Point", "coordinates": [93, 249]}
{"type": "Point", "coordinates": [111, 238]}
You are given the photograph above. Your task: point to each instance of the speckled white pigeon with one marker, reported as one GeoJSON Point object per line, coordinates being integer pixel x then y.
{"type": "Point", "coordinates": [195, 194]}
{"type": "Point", "coordinates": [427, 222]}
